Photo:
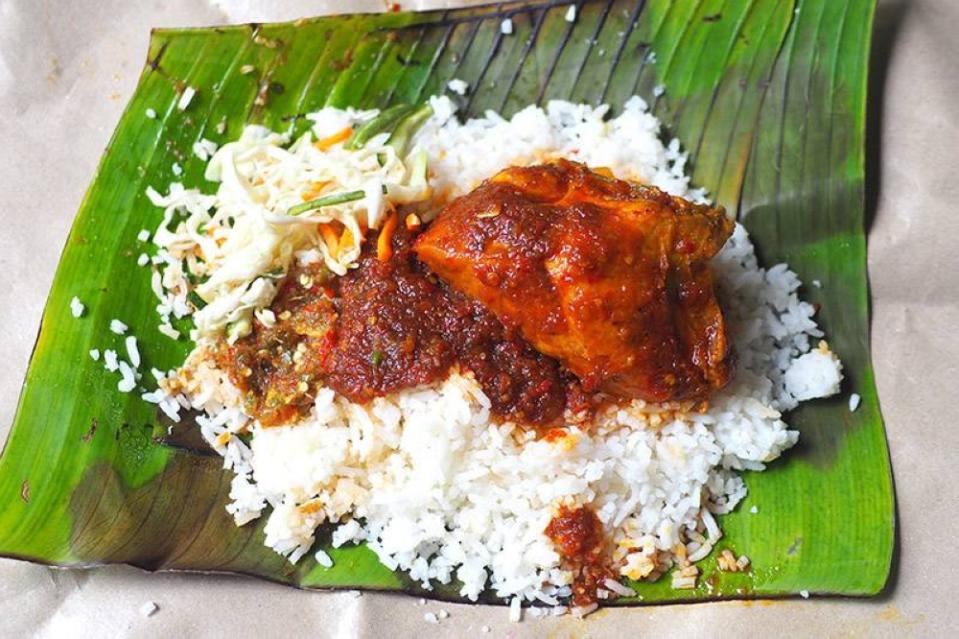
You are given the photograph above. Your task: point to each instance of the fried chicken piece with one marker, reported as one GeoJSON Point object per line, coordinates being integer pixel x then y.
{"type": "Point", "coordinates": [611, 278]}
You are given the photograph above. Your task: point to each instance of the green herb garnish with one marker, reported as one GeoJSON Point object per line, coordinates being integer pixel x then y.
{"type": "Point", "coordinates": [408, 127]}
{"type": "Point", "coordinates": [376, 357]}
{"type": "Point", "coordinates": [326, 200]}
{"type": "Point", "coordinates": [384, 121]}
{"type": "Point", "coordinates": [275, 273]}
{"type": "Point", "coordinates": [419, 168]}
{"type": "Point", "coordinates": [196, 300]}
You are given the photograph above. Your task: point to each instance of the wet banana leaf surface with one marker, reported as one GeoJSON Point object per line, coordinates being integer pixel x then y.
{"type": "Point", "coordinates": [767, 96]}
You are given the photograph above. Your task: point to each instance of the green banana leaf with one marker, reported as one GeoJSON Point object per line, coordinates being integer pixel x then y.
{"type": "Point", "coordinates": [768, 96]}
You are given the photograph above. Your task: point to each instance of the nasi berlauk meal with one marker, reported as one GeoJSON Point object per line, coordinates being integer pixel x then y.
{"type": "Point", "coordinates": [519, 355]}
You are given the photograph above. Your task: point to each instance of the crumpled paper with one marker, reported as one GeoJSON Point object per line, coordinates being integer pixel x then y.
{"type": "Point", "coordinates": [66, 71]}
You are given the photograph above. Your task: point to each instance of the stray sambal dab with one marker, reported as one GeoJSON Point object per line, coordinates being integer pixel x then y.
{"type": "Point", "coordinates": [577, 534]}
{"type": "Point", "coordinates": [287, 353]}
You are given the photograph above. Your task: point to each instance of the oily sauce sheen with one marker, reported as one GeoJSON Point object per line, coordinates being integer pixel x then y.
{"type": "Point", "coordinates": [383, 327]}
{"type": "Point", "coordinates": [399, 327]}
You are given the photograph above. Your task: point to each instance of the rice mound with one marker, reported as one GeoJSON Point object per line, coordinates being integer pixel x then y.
{"type": "Point", "coordinates": [436, 487]}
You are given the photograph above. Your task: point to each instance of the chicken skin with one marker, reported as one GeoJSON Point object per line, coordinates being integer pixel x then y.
{"type": "Point", "coordinates": [610, 278]}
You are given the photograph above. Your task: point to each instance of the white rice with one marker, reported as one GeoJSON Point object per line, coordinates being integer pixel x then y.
{"type": "Point", "coordinates": [110, 360]}
{"type": "Point", "coordinates": [435, 487]}
{"type": "Point", "coordinates": [581, 611]}
{"type": "Point", "coordinates": [127, 378]}
{"type": "Point", "coordinates": [619, 588]}
{"type": "Point", "coordinates": [464, 154]}
{"type": "Point", "coordinates": [76, 307]}
{"type": "Point", "coordinates": [204, 149]}
{"type": "Point", "coordinates": [186, 98]}
{"type": "Point", "coordinates": [118, 327]}
{"type": "Point", "coordinates": [168, 330]}
{"type": "Point", "coordinates": [457, 86]}
{"type": "Point", "coordinates": [516, 610]}
{"type": "Point", "coordinates": [854, 401]}
{"type": "Point", "coordinates": [814, 374]}
{"type": "Point", "coordinates": [133, 351]}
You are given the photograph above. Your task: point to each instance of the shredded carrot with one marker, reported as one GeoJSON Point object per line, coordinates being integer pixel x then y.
{"type": "Point", "coordinates": [346, 238]}
{"type": "Point", "coordinates": [315, 190]}
{"type": "Point", "coordinates": [310, 507]}
{"type": "Point", "coordinates": [384, 245]}
{"type": "Point", "coordinates": [325, 143]}
{"type": "Point", "coordinates": [329, 236]}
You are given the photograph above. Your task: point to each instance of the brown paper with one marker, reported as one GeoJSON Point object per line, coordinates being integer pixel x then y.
{"type": "Point", "coordinates": [66, 71]}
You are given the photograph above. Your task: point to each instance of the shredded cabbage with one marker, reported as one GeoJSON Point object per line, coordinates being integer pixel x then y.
{"type": "Point", "coordinates": [221, 246]}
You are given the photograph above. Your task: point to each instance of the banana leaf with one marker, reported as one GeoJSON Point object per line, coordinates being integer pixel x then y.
{"type": "Point", "coordinates": [768, 96]}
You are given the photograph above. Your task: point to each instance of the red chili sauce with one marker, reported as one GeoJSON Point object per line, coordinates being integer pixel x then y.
{"type": "Point", "coordinates": [383, 327]}
{"type": "Point", "coordinates": [577, 534]}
